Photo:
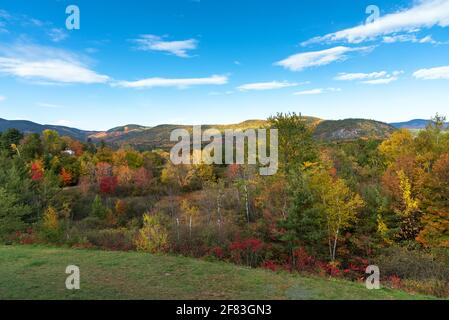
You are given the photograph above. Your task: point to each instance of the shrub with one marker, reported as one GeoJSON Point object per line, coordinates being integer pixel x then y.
{"type": "Point", "coordinates": [111, 239]}
{"type": "Point", "coordinates": [412, 264]}
{"type": "Point", "coordinates": [153, 237]}
{"type": "Point", "coordinates": [51, 229]}
{"type": "Point", "coordinates": [419, 270]}
{"type": "Point", "coordinates": [248, 252]}
{"type": "Point", "coordinates": [432, 287]}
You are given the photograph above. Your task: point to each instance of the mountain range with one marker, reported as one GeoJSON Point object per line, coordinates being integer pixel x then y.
{"type": "Point", "coordinates": [413, 124]}
{"type": "Point", "coordinates": [146, 138]}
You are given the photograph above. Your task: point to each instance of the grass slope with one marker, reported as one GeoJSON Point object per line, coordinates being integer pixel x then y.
{"type": "Point", "coordinates": [36, 272]}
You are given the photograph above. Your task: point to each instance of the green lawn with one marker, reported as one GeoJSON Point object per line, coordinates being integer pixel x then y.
{"type": "Point", "coordinates": [36, 272]}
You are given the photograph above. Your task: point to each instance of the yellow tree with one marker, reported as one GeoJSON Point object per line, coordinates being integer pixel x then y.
{"type": "Point", "coordinates": [399, 144]}
{"type": "Point", "coordinates": [191, 213]}
{"type": "Point", "coordinates": [153, 236]}
{"type": "Point", "coordinates": [409, 211]}
{"type": "Point", "coordinates": [339, 206]}
{"type": "Point", "coordinates": [435, 220]}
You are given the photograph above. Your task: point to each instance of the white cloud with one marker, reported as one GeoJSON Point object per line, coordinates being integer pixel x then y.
{"type": "Point", "coordinates": [150, 42]}
{"type": "Point", "coordinates": [57, 35]}
{"type": "Point", "coordinates": [2, 98]}
{"type": "Point", "coordinates": [48, 105]}
{"type": "Point", "coordinates": [259, 86]}
{"type": "Point", "coordinates": [360, 76]}
{"type": "Point", "coordinates": [409, 38]}
{"type": "Point", "coordinates": [305, 60]}
{"type": "Point", "coordinates": [316, 91]}
{"type": "Point", "coordinates": [424, 14]}
{"type": "Point", "coordinates": [309, 92]}
{"type": "Point", "coordinates": [381, 77]}
{"type": "Point", "coordinates": [432, 73]}
{"type": "Point", "coordinates": [46, 65]}
{"type": "Point", "coordinates": [381, 81]}
{"type": "Point", "coordinates": [179, 83]}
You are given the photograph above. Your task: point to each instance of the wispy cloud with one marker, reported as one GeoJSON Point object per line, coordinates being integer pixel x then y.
{"type": "Point", "coordinates": [424, 14]}
{"type": "Point", "coordinates": [57, 34]}
{"type": "Point", "coordinates": [381, 77]}
{"type": "Point", "coordinates": [2, 98]}
{"type": "Point", "coordinates": [149, 42]}
{"type": "Point", "coordinates": [432, 73]}
{"type": "Point", "coordinates": [49, 105]}
{"type": "Point", "coordinates": [46, 65]}
{"type": "Point", "coordinates": [305, 60]}
{"type": "Point", "coordinates": [381, 81]}
{"type": "Point", "coordinates": [4, 19]}
{"type": "Point", "coordinates": [260, 86]}
{"type": "Point", "coordinates": [25, 21]}
{"type": "Point", "coordinates": [179, 83]}
{"type": "Point", "coordinates": [316, 91]}
{"type": "Point", "coordinates": [360, 76]}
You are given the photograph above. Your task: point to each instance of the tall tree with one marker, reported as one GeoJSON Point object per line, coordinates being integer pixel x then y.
{"type": "Point", "coordinates": [296, 144]}
{"type": "Point", "coordinates": [12, 213]}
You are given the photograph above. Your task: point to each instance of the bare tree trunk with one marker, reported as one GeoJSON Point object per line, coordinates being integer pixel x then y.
{"type": "Point", "coordinates": [335, 245]}
{"type": "Point", "coordinates": [329, 240]}
{"type": "Point", "coordinates": [177, 228]}
{"type": "Point", "coordinates": [190, 227]}
{"type": "Point", "coordinates": [219, 205]}
{"type": "Point", "coordinates": [246, 202]}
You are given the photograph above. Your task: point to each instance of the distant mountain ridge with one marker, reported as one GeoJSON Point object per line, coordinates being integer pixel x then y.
{"type": "Point", "coordinates": [147, 138]}
{"type": "Point", "coordinates": [32, 127]}
{"type": "Point", "coordinates": [413, 124]}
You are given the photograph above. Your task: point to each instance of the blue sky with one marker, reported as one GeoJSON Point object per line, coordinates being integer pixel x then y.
{"type": "Point", "coordinates": [211, 61]}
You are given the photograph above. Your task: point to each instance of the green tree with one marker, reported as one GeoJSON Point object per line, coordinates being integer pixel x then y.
{"type": "Point", "coordinates": [296, 144]}
{"type": "Point", "coordinates": [10, 138]}
{"type": "Point", "coordinates": [98, 209]}
{"type": "Point", "coordinates": [52, 143]}
{"type": "Point", "coordinates": [12, 213]}
{"type": "Point", "coordinates": [31, 147]}
{"type": "Point", "coordinates": [304, 223]}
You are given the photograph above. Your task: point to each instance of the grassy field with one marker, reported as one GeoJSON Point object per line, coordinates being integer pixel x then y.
{"type": "Point", "coordinates": [36, 272]}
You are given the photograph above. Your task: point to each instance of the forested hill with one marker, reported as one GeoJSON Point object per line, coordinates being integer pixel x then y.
{"type": "Point", "coordinates": [143, 137]}
{"type": "Point", "coordinates": [413, 124]}
{"type": "Point", "coordinates": [32, 127]}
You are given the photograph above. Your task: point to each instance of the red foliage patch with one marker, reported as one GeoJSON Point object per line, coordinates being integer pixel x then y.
{"type": "Point", "coordinates": [108, 185]}
{"type": "Point", "coordinates": [37, 171]}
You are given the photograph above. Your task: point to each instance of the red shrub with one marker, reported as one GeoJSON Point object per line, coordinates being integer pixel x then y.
{"type": "Point", "coordinates": [394, 281]}
{"type": "Point", "coordinates": [218, 252]}
{"type": "Point", "coordinates": [270, 265]}
{"type": "Point", "coordinates": [37, 170]}
{"type": "Point", "coordinates": [108, 184]}
{"type": "Point", "coordinates": [246, 251]}
{"type": "Point", "coordinates": [303, 261]}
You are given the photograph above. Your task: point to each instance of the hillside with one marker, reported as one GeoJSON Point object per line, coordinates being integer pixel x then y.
{"type": "Point", "coordinates": [32, 127]}
{"type": "Point", "coordinates": [350, 129]}
{"type": "Point", "coordinates": [413, 124]}
{"type": "Point", "coordinates": [118, 132]}
{"type": "Point", "coordinates": [158, 137]}
{"type": "Point", "coordinates": [33, 272]}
